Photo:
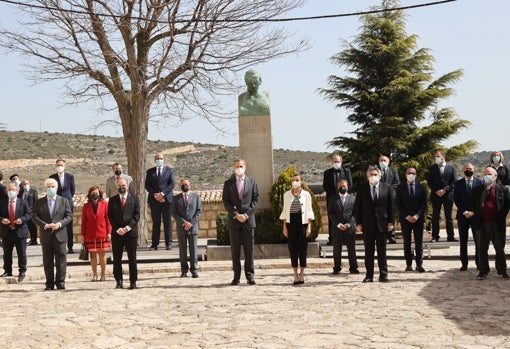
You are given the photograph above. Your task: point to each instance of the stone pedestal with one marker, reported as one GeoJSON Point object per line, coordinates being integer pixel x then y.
{"type": "Point", "coordinates": [256, 147]}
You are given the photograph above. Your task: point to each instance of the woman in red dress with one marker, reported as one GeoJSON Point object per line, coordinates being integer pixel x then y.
{"type": "Point", "coordinates": [96, 230]}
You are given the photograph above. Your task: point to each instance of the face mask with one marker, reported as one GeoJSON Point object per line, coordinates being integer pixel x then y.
{"type": "Point", "coordinates": [496, 159]}
{"type": "Point", "coordinates": [468, 173]}
{"type": "Point", "coordinates": [118, 172]}
{"type": "Point", "coordinates": [185, 187]}
{"type": "Point", "coordinates": [18, 182]}
{"type": "Point", "coordinates": [51, 192]}
{"type": "Point", "coordinates": [337, 165]}
{"type": "Point", "coordinates": [342, 190]}
{"type": "Point", "coordinates": [239, 171]}
{"type": "Point", "coordinates": [373, 180]}
{"type": "Point", "coordinates": [383, 165]}
{"type": "Point", "coordinates": [159, 163]}
{"type": "Point", "coordinates": [94, 196]}
{"type": "Point", "coordinates": [410, 177]}
{"type": "Point", "coordinates": [296, 184]}
{"type": "Point", "coordinates": [439, 160]}
{"type": "Point", "coordinates": [27, 187]}
{"type": "Point", "coordinates": [122, 190]}
{"type": "Point", "coordinates": [60, 169]}
{"type": "Point", "coordinates": [12, 194]}
{"type": "Point", "coordinates": [487, 179]}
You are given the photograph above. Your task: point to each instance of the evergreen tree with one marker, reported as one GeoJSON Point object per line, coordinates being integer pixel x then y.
{"type": "Point", "coordinates": [391, 94]}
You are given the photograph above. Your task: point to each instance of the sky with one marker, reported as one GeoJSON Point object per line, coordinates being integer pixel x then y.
{"type": "Point", "coordinates": [466, 34]}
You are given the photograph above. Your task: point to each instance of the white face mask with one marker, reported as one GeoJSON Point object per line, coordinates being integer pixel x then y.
{"type": "Point", "coordinates": [27, 187]}
{"type": "Point", "coordinates": [383, 165]}
{"type": "Point", "coordinates": [17, 181]}
{"type": "Point", "coordinates": [296, 184]}
{"type": "Point", "coordinates": [373, 180]}
{"type": "Point", "coordinates": [337, 165]}
{"type": "Point", "coordinates": [410, 178]}
{"type": "Point", "coordinates": [60, 169]}
{"type": "Point", "coordinates": [12, 194]}
{"type": "Point", "coordinates": [239, 171]}
{"type": "Point", "coordinates": [439, 160]}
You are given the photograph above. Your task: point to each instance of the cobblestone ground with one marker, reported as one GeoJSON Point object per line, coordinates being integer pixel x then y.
{"type": "Point", "coordinates": [441, 308]}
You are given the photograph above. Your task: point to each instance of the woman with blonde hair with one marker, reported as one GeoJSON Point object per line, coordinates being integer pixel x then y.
{"type": "Point", "coordinates": [96, 230]}
{"type": "Point", "coordinates": [496, 159]}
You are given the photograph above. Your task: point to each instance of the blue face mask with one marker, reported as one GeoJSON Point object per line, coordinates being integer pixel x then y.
{"type": "Point", "coordinates": [51, 192]}
{"type": "Point", "coordinates": [496, 159]}
{"type": "Point", "coordinates": [159, 163]}
{"type": "Point", "coordinates": [383, 165]}
{"type": "Point", "coordinates": [12, 194]}
{"type": "Point", "coordinates": [487, 179]}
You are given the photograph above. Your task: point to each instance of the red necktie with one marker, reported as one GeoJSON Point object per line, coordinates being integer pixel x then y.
{"type": "Point", "coordinates": [11, 214]}
{"type": "Point", "coordinates": [123, 202]}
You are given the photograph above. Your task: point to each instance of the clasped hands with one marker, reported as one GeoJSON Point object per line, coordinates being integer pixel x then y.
{"type": "Point", "coordinates": [122, 231]}
{"type": "Point", "coordinates": [241, 218]}
{"type": "Point", "coordinates": [159, 197]}
{"type": "Point", "coordinates": [7, 221]}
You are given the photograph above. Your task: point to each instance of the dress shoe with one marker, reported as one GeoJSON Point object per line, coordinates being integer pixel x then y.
{"type": "Point", "coordinates": [184, 275]}
{"type": "Point", "coordinates": [409, 268]}
{"type": "Point", "coordinates": [21, 277]}
{"type": "Point", "coordinates": [481, 276]}
{"type": "Point", "coordinates": [119, 284]}
{"type": "Point", "coordinates": [365, 280]}
{"type": "Point", "coordinates": [70, 251]}
{"type": "Point", "coordinates": [329, 243]}
{"type": "Point", "coordinates": [336, 271]}
{"type": "Point", "coordinates": [61, 287]}
{"type": "Point", "coordinates": [420, 269]}
{"type": "Point", "coordinates": [434, 239]}
{"type": "Point", "coordinates": [392, 240]}
{"type": "Point", "coordinates": [132, 286]}
{"type": "Point", "coordinates": [354, 271]}
{"type": "Point", "coordinates": [153, 248]}
{"type": "Point", "coordinates": [252, 282]}
{"type": "Point", "coordinates": [452, 240]}
{"type": "Point", "coordinates": [463, 268]}
{"type": "Point", "coordinates": [48, 288]}
{"type": "Point", "coordinates": [168, 247]}
{"type": "Point", "coordinates": [234, 282]}
{"type": "Point", "coordinates": [383, 279]}
{"type": "Point", "coordinates": [194, 275]}
{"type": "Point", "coordinates": [504, 276]}
{"type": "Point", "coordinates": [6, 274]}
{"type": "Point", "coordinates": [32, 243]}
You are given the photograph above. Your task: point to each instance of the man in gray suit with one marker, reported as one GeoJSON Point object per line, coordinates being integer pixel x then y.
{"type": "Point", "coordinates": [111, 182]}
{"type": "Point", "coordinates": [186, 210]}
{"type": "Point", "coordinates": [240, 198]}
{"type": "Point", "coordinates": [52, 213]}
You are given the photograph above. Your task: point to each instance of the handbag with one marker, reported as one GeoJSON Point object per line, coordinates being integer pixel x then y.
{"type": "Point", "coordinates": [84, 253]}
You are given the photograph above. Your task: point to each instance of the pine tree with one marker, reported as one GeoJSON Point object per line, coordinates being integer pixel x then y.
{"type": "Point", "coordinates": [391, 94]}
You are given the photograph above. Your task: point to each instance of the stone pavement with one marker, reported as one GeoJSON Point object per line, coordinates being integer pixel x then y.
{"type": "Point", "coordinates": [440, 308]}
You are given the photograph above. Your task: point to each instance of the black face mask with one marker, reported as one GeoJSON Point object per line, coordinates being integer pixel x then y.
{"type": "Point", "coordinates": [342, 190]}
{"type": "Point", "coordinates": [118, 172]}
{"type": "Point", "coordinates": [94, 196]}
{"type": "Point", "coordinates": [185, 188]}
{"type": "Point", "coordinates": [122, 190]}
{"type": "Point", "coordinates": [468, 173]}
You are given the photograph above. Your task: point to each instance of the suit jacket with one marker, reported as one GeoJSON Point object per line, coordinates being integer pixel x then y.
{"type": "Point", "coordinates": [67, 191]}
{"type": "Point", "coordinates": [190, 213]}
{"type": "Point", "coordinates": [464, 200]}
{"type": "Point", "coordinates": [365, 208]}
{"type": "Point", "coordinates": [3, 192]}
{"type": "Point", "coordinates": [22, 211]}
{"type": "Point", "coordinates": [328, 182]}
{"type": "Point", "coordinates": [130, 216]}
{"type": "Point", "coordinates": [165, 185]}
{"type": "Point", "coordinates": [410, 206]}
{"type": "Point", "coordinates": [234, 205]}
{"type": "Point", "coordinates": [391, 178]}
{"type": "Point", "coordinates": [111, 185]}
{"type": "Point", "coordinates": [342, 213]}
{"type": "Point", "coordinates": [435, 181]}
{"type": "Point", "coordinates": [31, 197]}
{"type": "Point", "coordinates": [95, 225]}
{"type": "Point", "coordinates": [502, 201]}
{"type": "Point", "coordinates": [61, 214]}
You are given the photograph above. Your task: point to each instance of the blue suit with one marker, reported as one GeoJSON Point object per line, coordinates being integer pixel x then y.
{"type": "Point", "coordinates": [165, 185]}
{"type": "Point", "coordinates": [16, 236]}
{"type": "Point", "coordinates": [436, 181]}
{"type": "Point", "coordinates": [464, 201]}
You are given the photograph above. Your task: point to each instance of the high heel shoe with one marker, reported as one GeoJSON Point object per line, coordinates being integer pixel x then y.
{"type": "Point", "coordinates": [94, 278]}
{"type": "Point", "coordinates": [102, 278]}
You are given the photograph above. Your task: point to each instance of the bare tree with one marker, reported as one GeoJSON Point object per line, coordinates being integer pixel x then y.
{"type": "Point", "coordinates": [148, 59]}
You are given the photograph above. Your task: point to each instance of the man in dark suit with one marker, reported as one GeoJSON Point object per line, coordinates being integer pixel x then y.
{"type": "Point", "coordinates": [440, 178]}
{"type": "Point", "coordinates": [340, 213]}
{"type": "Point", "coordinates": [124, 215]}
{"type": "Point", "coordinates": [463, 198]}
{"type": "Point", "coordinates": [374, 213]}
{"type": "Point", "coordinates": [490, 204]}
{"type": "Point", "coordinates": [411, 202]}
{"type": "Point", "coordinates": [14, 178]}
{"type": "Point", "coordinates": [329, 183]}
{"type": "Point", "coordinates": [240, 198]}
{"type": "Point", "coordinates": [52, 213]}
{"type": "Point", "coordinates": [3, 188]}
{"type": "Point", "coordinates": [389, 175]}
{"type": "Point", "coordinates": [30, 195]}
{"type": "Point", "coordinates": [159, 183]}
{"type": "Point", "coordinates": [66, 189]}
{"type": "Point", "coordinates": [186, 209]}
{"type": "Point", "coordinates": [14, 215]}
